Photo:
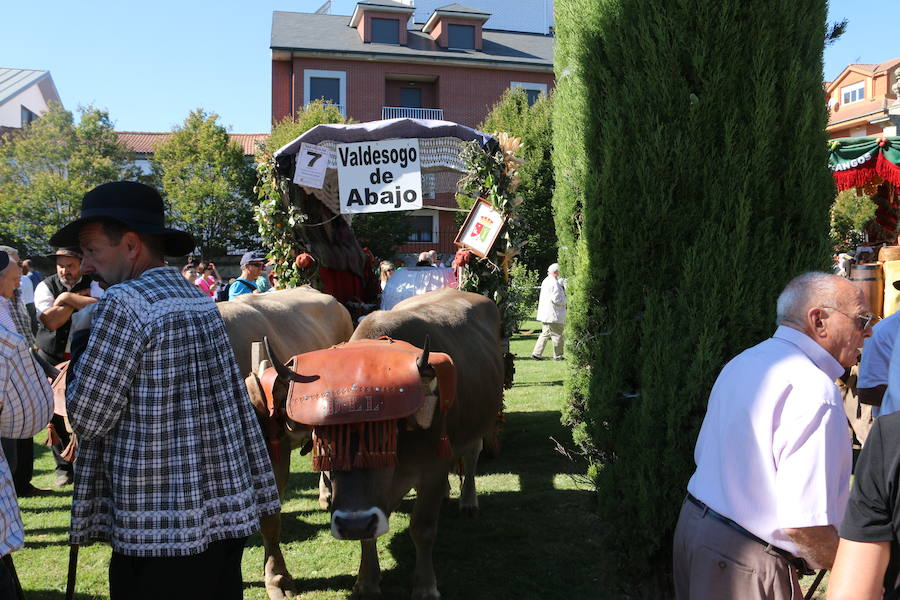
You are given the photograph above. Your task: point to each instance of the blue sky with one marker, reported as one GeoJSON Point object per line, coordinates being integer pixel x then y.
{"type": "Point", "coordinates": [151, 63]}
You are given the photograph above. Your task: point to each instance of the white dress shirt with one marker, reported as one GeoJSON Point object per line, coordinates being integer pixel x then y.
{"type": "Point", "coordinates": [27, 290]}
{"type": "Point", "coordinates": [43, 297]}
{"type": "Point", "coordinates": [773, 451]}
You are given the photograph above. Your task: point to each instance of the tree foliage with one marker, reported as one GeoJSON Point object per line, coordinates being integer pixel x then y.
{"type": "Point", "coordinates": [207, 183]}
{"type": "Point", "coordinates": [533, 124]}
{"type": "Point", "coordinates": [47, 167]}
{"type": "Point", "coordinates": [692, 184]}
{"type": "Point", "coordinates": [849, 215]}
{"type": "Point", "coordinates": [279, 219]}
{"type": "Point", "coordinates": [382, 233]}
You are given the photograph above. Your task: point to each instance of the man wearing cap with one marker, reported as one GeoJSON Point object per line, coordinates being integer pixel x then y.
{"type": "Point", "coordinates": [252, 264]}
{"type": "Point", "coordinates": [56, 299]}
{"type": "Point", "coordinates": [551, 313]}
{"type": "Point", "coordinates": [173, 470]}
{"type": "Point", "coordinates": [27, 403]}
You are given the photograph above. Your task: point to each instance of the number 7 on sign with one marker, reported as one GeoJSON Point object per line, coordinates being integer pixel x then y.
{"type": "Point", "coordinates": [310, 170]}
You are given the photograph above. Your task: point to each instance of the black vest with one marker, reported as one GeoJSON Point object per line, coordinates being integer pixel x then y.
{"type": "Point", "coordinates": [53, 343]}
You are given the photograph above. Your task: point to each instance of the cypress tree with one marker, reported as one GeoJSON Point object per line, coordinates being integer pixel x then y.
{"type": "Point", "coordinates": [691, 186]}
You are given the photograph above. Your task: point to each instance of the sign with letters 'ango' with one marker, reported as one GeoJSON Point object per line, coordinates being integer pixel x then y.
{"type": "Point", "coordinates": [379, 176]}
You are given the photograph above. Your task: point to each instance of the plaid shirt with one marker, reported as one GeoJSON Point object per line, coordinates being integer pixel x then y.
{"type": "Point", "coordinates": [171, 455]}
{"type": "Point", "coordinates": [26, 405]}
{"type": "Point", "coordinates": [21, 318]}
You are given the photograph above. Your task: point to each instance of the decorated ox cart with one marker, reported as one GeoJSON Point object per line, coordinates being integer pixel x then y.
{"type": "Point", "coordinates": [363, 420]}
{"type": "Point", "coordinates": [333, 171]}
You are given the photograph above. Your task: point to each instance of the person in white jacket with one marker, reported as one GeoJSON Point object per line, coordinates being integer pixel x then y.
{"type": "Point", "coordinates": [551, 313]}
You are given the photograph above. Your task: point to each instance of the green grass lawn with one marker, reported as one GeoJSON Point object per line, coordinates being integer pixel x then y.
{"type": "Point", "coordinates": [536, 536]}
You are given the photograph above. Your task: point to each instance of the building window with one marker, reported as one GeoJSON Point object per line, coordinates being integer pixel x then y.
{"type": "Point", "coordinates": [532, 90]}
{"type": "Point", "coordinates": [854, 93]}
{"type": "Point", "coordinates": [330, 86]}
{"type": "Point", "coordinates": [385, 31]}
{"type": "Point", "coordinates": [411, 97]}
{"type": "Point", "coordinates": [858, 132]}
{"type": "Point", "coordinates": [422, 227]}
{"type": "Point", "coordinates": [461, 36]}
{"type": "Point", "coordinates": [28, 117]}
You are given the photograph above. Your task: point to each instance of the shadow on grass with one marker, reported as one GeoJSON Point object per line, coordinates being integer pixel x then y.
{"type": "Point", "coordinates": [539, 539]}
{"type": "Point", "coordinates": [554, 382]}
{"type": "Point", "coordinates": [540, 549]}
{"type": "Point", "coordinates": [57, 595]}
{"type": "Point", "coordinates": [304, 585]}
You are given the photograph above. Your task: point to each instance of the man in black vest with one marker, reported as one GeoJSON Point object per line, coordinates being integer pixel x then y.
{"type": "Point", "coordinates": [56, 298]}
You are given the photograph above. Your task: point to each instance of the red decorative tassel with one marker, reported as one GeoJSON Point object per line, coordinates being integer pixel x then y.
{"type": "Point", "coordinates": [858, 176]}
{"type": "Point", "coordinates": [52, 436]}
{"type": "Point", "coordinates": [887, 170]}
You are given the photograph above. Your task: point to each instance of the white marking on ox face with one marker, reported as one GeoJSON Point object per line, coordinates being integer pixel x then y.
{"type": "Point", "coordinates": [358, 524]}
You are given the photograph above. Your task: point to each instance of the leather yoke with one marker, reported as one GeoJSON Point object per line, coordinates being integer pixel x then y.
{"type": "Point", "coordinates": [357, 382]}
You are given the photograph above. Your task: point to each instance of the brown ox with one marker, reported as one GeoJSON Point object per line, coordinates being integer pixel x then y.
{"type": "Point", "coordinates": [465, 326]}
{"type": "Point", "coordinates": [294, 321]}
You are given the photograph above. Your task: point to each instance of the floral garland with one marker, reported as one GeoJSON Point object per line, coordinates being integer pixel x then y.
{"type": "Point", "coordinates": [495, 178]}
{"type": "Point", "coordinates": [277, 217]}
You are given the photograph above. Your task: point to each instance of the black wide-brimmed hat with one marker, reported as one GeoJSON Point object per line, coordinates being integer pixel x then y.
{"type": "Point", "coordinates": [72, 252]}
{"type": "Point", "coordinates": [135, 205]}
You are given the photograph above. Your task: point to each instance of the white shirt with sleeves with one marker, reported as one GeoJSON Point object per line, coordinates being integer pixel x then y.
{"type": "Point", "coordinates": [552, 301]}
{"type": "Point", "coordinates": [26, 405]}
{"type": "Point", "coordinates": [27, 289]}
{"type": "Point", "coordinates": [43, 297]}
{"type": "Point", "coordinates": [773, 451]}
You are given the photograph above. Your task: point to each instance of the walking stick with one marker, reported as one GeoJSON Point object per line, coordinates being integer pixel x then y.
{"type": "Point", "coordinates": [815, 584]}
{"type": "Point", "coordinates": [73, 567]}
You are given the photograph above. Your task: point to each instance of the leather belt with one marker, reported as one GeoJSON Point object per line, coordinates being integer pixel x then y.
{"type": "Point", "coordinates": [795, 561]}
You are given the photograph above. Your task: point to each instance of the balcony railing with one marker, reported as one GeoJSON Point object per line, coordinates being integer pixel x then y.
{"type": "Point", "coordinates": [401, 112]}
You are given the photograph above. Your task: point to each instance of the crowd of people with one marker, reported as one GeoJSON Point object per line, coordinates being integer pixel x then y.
{"type": "Point", "coordinates": [172, 470]}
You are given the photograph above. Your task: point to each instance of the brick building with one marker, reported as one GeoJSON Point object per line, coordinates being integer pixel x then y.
{"type": "Point", "coordinates": [863, 100]}
{"type": "Point", "coordinates": [380, 63]}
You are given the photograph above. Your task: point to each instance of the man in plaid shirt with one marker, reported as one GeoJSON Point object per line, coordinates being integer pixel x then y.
{"type": "Point", "coordinates": [172, 467]}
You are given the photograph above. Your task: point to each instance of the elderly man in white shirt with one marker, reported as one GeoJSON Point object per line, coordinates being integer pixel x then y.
{"type": "Point", "coordinates": [773, 455]}
{"type": "Point", "coordinates": [26, 404]}
{"type": "Point", "coordinates": [551, 313]}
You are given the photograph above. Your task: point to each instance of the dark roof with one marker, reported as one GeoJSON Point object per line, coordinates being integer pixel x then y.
{"type": "Point", "coordinates": [305, 31]}
{"type": "Point", "coordinates": [461, 8]}
{"type": "Point", "coordinates": [145, 142]}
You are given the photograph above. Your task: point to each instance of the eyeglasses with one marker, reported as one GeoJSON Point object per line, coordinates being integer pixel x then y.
{"type": "Point", "coordinates": [863, 321]}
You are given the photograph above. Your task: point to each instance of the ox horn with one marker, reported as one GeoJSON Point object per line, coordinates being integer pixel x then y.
{"type": "Point", "coordinates": [422, 362]}
{"type": "Point", "coordinates": [280, 368]}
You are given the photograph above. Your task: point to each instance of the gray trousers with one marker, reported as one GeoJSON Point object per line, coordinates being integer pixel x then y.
{"type": "Point", "coordinates": [551, 331]}
{"type": "Point", "coordinates": [713, 561]}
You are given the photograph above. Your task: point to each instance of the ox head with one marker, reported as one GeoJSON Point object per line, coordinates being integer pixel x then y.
{"type": "Point", "coordinates": [366, 400]}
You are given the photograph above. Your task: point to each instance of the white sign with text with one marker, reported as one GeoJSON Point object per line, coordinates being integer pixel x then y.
{"type": "Point", "coordinates": [379, 176]}
{"type": "Point", "coordinates": [312, 161]}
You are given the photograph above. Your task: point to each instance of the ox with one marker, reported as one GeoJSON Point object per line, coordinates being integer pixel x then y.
{"type": "Point", "coordinates": [466, 327]}
{"type": "Point", "coordinates": [294, 321]}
